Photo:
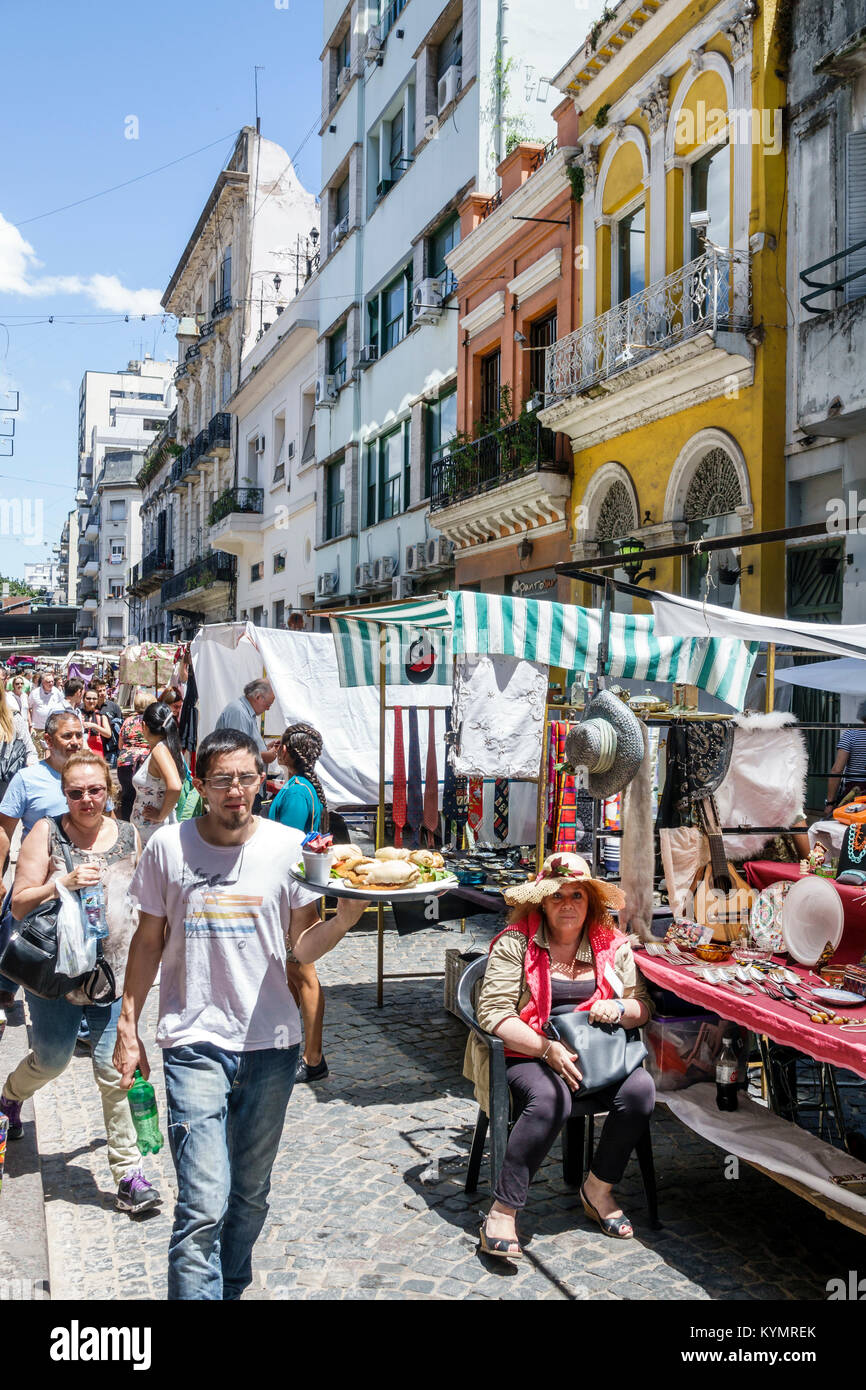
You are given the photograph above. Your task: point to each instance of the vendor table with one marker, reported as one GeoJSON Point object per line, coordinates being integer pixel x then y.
{"type": "Point", "coordinates": [760, 873]}
{"type": "Point", "coordinates": [757, 1012]}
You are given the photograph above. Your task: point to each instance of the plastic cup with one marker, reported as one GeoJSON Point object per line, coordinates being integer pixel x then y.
{"type": "Point", "coordinates": [317, 867]}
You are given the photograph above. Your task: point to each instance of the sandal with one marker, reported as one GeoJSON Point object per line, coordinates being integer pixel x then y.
{"type": "Point", "coordinates": [611, 1225]}
{"type": "Point", "coordinates": [500, 1247]}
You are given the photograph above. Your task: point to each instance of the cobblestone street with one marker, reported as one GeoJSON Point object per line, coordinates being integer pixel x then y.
{"type": "Point", "coordinates": [367, 1199]}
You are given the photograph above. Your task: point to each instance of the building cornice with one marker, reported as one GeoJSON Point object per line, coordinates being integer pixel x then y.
{"type": "Point", "coordinates": [484, 314]}
{"type": "Point", "coordinates": [536, 276]}
{"type": "Point", "coordinates": [530, 199]}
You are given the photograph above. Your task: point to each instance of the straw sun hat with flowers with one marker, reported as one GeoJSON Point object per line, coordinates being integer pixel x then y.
{"type": "Point", "coordinates": [556, 870]}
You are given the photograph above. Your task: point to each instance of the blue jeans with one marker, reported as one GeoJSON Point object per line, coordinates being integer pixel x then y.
{"type": "Point", "coordinates": [225, 1118]}
{"type": "Point", "coordinates": [54, 1028]}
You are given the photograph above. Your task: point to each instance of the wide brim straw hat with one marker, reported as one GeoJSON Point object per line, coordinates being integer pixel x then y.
{"type": "Point", "coordinates": [556, 870]}
{"type": "Point", "coordinates": [608, 742]}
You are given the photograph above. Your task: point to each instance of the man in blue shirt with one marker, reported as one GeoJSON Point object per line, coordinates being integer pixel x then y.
{"type": "Point", "coordinates": [245, 715]}
{"type": "Point", "coordinates": [850, 764]}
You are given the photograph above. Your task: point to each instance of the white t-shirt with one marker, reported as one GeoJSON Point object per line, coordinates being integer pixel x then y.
{"type": "Point", "coordinates": [41, 705]}
{"type": "Point", "coordinates": [223, 977]}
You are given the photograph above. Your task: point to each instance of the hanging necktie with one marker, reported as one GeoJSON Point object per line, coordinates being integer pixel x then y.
{"type": "Point", "coordinates": [399, 787]}
{"type": "Point", "coordinates": [500, 809]}
{"type": "Point", "coordinates": [431, 783]}
{"type": "Point", "coordinates": [414, 789]}
{"type": "Point", "coordinates": [449, 781]}
{"type": "Point", "coordinates": [476, 804]}
{"type": "Point", "coordinates": [461, 797]}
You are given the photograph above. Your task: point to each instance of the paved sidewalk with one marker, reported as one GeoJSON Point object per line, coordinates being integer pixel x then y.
{"type": "Point", "coordinates": [367, 1199]}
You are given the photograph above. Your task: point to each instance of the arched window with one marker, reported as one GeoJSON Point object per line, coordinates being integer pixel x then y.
{"type": "Point", "coordinates": [710, 509]}
{"type": "Point", "coordinates": [616, 516]}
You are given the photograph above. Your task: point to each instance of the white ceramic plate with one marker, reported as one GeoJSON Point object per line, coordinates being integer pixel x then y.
{"type": "Point", "coordinates": [339, 888]}
{"type": "Point", "coordinates": [839, 996]}
{"type": "Point", "coordinates": [812, 915]}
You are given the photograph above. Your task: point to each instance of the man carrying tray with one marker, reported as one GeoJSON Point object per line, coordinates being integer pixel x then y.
{"type": "Point", "coordinates": [217, 906]}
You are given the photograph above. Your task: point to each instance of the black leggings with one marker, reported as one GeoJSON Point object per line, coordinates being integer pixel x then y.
{"type": "Point", "coordinates": [125, 774]}
{"type": "Point", "coordinates": [542, 1103]}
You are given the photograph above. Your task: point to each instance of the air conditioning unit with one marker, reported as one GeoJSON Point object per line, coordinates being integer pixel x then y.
{"type": "Point", "coordinates": [260, 443]}
{"type": "Point", "coordinates": [440, 553]}
{"type": "Point", "coordinates": [326, 392]}
{"type": "Point", "coordinates": [363, 578]}
{"type": "Point", "coordinates": [383, 570]}
{"type": "Point", "coordinates": [339, 232]}
{"type": "Point", "coordinates": [403, 586]}
{"type": "Point", "coordinates": [342, 80]}
{"type": "Point", "coordinates": [368, 355]}
{"type": "Point", "coordinates": [416, 558]}
{"type": "Point", "coordinates": [374, 42]}
{"type": "Point", "coordinates": [427, 302]}
{"type": "Point", "coordinates": [326, 584]}
{"type": "Point", "coordinates": [449, 86]}
{"type": "Point", "coordinates": [383, 186]}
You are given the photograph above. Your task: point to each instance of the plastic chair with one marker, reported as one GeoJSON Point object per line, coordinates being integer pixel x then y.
{"type": "Point", "coordinates": [577, 1134]}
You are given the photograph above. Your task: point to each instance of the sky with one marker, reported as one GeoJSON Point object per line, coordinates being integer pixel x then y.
{"type": "Point", "coordinates": [80, 79]}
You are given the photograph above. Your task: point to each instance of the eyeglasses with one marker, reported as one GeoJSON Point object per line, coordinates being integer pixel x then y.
{"type": "Point", "coordinates": [224, 782]}
{"type": "Point", "coordinates": [76, 793]}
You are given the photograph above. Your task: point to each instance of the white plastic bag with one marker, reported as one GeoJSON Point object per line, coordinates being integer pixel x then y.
{"type": "Point", "coordinates": [76, 953]}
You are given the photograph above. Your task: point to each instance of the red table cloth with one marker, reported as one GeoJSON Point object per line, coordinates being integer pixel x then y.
{"type": "Point", "coordinates": [761, 1014]}
{"type": "Point", "coordinates": [760, 873]}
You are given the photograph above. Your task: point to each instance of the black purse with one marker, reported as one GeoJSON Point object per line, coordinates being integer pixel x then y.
{"type": "Point", "coordinates": [606, 1053]}
{"type": "Point", "coordinates": [29, 957]}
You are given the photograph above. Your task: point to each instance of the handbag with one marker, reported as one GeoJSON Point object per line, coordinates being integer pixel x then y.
{"type": "Point", "coordinates": [606, 1053]}
{"type": "Point", "coordinates": [29, 957]}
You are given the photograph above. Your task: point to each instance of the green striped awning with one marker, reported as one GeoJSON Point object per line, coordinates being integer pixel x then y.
{"type": "Point", "coordinates": [558, 634]}
{"type": "Point", "coordinates": [416, 638]}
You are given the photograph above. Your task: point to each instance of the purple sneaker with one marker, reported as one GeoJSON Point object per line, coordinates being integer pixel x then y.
{"type": "Point", "coordinates": [12, 1109]}
{"type": "Point", "coordinates": [136, 1194]}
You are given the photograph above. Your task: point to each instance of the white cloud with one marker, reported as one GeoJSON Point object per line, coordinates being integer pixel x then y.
{"type": "Point", "coordinates": [19, 267]}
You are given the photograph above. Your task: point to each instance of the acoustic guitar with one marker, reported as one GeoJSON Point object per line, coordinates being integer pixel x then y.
{"type": "Point", "coordinates": [722, 897]}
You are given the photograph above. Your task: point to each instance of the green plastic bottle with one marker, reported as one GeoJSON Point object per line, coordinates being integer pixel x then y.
{"type": "Point", "coordinates": [142, 1103]}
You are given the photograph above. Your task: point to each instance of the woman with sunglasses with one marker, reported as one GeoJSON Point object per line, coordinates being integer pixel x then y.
{"type": "Point", "coordinates": [102, 851]}
{"type": "Point", "coordinates": [158, 781]}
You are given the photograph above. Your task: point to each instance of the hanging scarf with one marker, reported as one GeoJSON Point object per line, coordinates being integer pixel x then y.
{"type": "Point", "coordinates": [414, 789]}
{"type": "Point", "coordinates": [500, 809]}
{"type": "Point", "coordinates": [398, 795]}
{"type": "Point", "coordinates": [431, 782]}
{"type": "Point", "coordinates": [604, 943]}
{"type": "Point", "coordinates": [475, 810]}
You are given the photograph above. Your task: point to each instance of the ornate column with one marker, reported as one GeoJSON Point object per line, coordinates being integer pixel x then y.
{"type": "Point", "coordinates": [587, 160]}
{"type": "Point", "coordinates": [739, 32]}
{"type": "Point", "coordinates": [655, 107]}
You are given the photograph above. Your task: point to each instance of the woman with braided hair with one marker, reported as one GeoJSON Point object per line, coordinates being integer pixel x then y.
{"type": "Point", "coordinates": [301, 803]}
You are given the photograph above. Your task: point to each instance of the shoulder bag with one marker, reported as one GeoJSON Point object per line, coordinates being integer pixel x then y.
{"type": "Point", "coordinates": [606, 1053]}
{"type": "Point", "coordinates": [29, 957]}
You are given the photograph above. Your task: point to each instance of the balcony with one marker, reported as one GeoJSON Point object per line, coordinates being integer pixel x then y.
{"type": "Point", "coordinates": [681, 340]}
{"type": "Point", "coordinates": [153, 570]}
{"type": "Point", "coordinates": [503, 484]}
{"type": "Point", "coordinates": [159, 451]}
{"type": "Point", "coordinates": [90, 641]}
{"type": "Point", "coordinates": [90, 604]}
{"type": "Point", "coordinates": [91, 527]}
{"type": "Point", "coordinates": [192, 354]}
{"type": "Point", "coordinates": [235, 519]}
{"type": "Point", "coordinates": [181, 371]}
{"type": "Point", "coordinates": [206, 335]}
{"type": "Point", "coordinates": [831, 344]}
{"type": "Point", "coordinates": [204, 584]}
{"type": "Point", "coordinates": [219, 434]}
{"type": "Point", "coordinates": [222, 306]}
{"type": "Point", "coordinates": [133, 585]}
{"type": "Point", "coordinates": [90, 566]}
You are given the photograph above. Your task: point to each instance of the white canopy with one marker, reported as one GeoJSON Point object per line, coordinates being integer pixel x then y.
{"type": "Point", "coordinates": [684, 617]}
{"type": "Point", "coordinates": [844, 677]}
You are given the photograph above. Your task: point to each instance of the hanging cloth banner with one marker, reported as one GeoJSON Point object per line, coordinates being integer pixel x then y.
{"type": "Point", "coordinates": [415, 638]}
{"type": "Point", "coordinates": [558, 634]}
{"type": "Point", "coordinates": [399, 783]}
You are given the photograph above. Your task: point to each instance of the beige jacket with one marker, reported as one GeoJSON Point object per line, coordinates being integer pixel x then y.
{"type": "Point", "coordinates": [504, 993]}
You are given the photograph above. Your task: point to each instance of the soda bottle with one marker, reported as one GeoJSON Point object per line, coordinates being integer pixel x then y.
{"type": "Point", "coordinates": [142, 1103]}
{"type": "Point", "coordinates": [727, 1075]}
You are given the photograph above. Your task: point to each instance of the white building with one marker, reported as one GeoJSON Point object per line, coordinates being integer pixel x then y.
{"type": "Point", "coordinates": [269, 521]}
{"type": "Point", "coordinates": [420, 103]}
{"type": "Point", "coordinates": [248, 253]}
{"type": "Point", "coordinates": [46, 575]}
{"type": "Point", "coordinates": [119, 414]}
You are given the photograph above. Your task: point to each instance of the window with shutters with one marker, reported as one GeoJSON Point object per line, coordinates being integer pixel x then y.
{"type": "Point", "coordinates": [855, 213]}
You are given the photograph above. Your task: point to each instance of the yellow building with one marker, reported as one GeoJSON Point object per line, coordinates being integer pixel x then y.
{"type": "Point", "coordinates": [672, 387]}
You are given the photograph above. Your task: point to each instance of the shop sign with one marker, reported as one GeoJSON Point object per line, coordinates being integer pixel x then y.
{"type": "Point", "coordinates": [541, 584]}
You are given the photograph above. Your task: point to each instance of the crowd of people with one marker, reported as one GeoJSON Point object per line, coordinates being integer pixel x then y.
{"type": "Point", "coordinates": [195, 891]}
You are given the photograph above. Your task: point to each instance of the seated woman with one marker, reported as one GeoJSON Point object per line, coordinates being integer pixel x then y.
{"type": "Point", "coordinates": [559, 949]}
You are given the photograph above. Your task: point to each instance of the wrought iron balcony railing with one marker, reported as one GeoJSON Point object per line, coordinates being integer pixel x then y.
{"type": "Point", "coordinates": [201, 573]}
{"type": "Point", "coordinates": [206, 331]}
{"type": "Point", "coordinates": [219, 431]}
{"type": "Point", "coordinates": [544, 155]}
{"type": "Point", "coordinates": [192, 352]}
{"type": "Point", "coordinates": [237, 499]}
{"type": "Point", "coordinates": [713, 292]}
{"type": "Point", "coordinates": [522, 447]}
{"type": "Point", "coordinates": [222, 306]}
{"type": "Point", "coordinates": [818, 288]}
{"type": "Point", "coordinates": [156, 562]}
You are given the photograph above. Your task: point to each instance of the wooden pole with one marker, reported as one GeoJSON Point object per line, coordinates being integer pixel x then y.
{"type": "Point", "coordinates": [380, 817]}
{"type": "Point", "coordinates": [770, 698]}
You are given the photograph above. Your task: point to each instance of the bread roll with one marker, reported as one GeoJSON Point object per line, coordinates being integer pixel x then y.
{"type": "Point", "coordinates": [393, 873]}
{"type": "Point", "coordinates": [391, 852]}
{"type": "Point", "coordinates": [344, 853]}
{"type": "Point", "coordinates": [428, 857]}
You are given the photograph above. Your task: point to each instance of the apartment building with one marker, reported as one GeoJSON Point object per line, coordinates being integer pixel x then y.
{"type": "Point", "coordinates": [248, 252]}
{"type": "Point", "coordinates": [268, 521]}
{"type": "Point", "coordinates": [826, 417]}
{"type": "Point", "coordinates": [119, 414]}
{"type": "Point", "coordinates": [421, 101]}
{"type": "Point", "coordinates": [671, 386]}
